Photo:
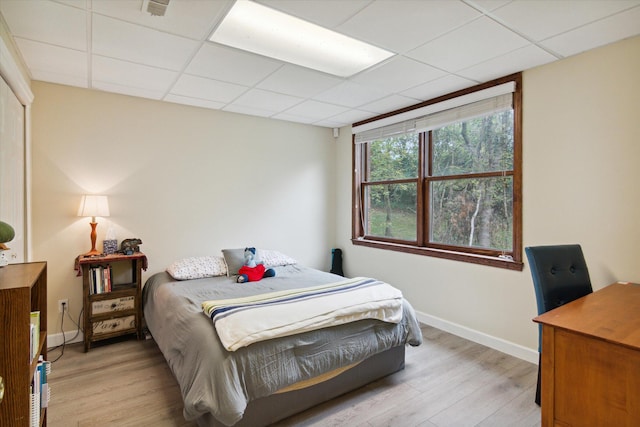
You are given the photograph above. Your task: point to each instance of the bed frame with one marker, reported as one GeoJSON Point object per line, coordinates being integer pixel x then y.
{"type": "Point", "coordinates": [276, 407]}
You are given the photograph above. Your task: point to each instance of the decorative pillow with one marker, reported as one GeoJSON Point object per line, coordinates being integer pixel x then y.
{"type": "Point", "coordinates": [274, 258]}
{"type": "Point", "coordinates": [234, 258]}
{"type": "Point", "coordinates": [197, 268]}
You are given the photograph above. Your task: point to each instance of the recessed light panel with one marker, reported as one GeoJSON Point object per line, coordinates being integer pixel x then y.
{"type": "Point", "coordinates": [255, 28]}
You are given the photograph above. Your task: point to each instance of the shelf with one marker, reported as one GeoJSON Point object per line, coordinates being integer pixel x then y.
{"type": "Point", "coordinates": [23, 289]}
{"type": "Point", "coordinates": [118, 311]}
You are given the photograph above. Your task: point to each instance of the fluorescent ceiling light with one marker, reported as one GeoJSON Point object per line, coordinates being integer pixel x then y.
{"type": "Point", "coordinates": [259, 29]}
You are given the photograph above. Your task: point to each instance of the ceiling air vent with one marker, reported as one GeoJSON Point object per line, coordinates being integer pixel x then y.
{"type": "Point", "coordinates": [155, 7]}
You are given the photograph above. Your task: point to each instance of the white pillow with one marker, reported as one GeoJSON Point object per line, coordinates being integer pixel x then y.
{"type": "Point", "coordinates": [198, 267]}
{"type": "Point", "coordinates": [274, 258]}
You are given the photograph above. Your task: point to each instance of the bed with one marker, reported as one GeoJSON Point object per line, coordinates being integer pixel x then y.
{"type": "Point", "coordinates": [270, 379]}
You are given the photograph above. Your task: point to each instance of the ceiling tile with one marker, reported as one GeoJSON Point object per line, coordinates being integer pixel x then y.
{"type": "Point", "coordinates": [265, 100]}
{"type": "Point", "coordinates": [194, 102]}
{"type": "Point", "coordinates": [211, 90]}
{"type": "Point", "coordinates": [599, 33]}
{"type": "Point", "coordinates": [442, 86]}
{"type": "Point", "coordinates": [331, 123]}
{"type": "Point", "coordinates": [188, 18]}
{"type": "Point", "coordinates": [315, 110]}
{"type": "Point", "coordinates": [248, 110]}
{"type": "Point", "coordinates": [351, 94]}
{"type": "Point", "coordinates": [231, 65]}
{"type": "Point", "coordinates": [299, 81]}
{"type": "Point", "coordinates": [488, 5]}
{"type": "Point", "coordinates": [128, 90]}
{"type": "Point", "coordinates": [352, 116]}
{"type": "Point", "coordinates": [390, 103]}
{"type": "Point", "coordinates": [55, 64]}
{"type": "Point", "coordinates": [316, 11]}
{"type": "Point", "coordinates": [403, 25]}
{"type": "Point", "coordinates": [122, 40]}
{"type": "Point", "coordinates": [468, 45]}
{"type": "Point", "coordinates": [293, 118]}
{"type": "Point", "coordinates": [47, 21]}
{"type": "Point", "coordinates": [123, 73]}
{"type": "Point", "coordinates": [542, 19]}
{"type": "Point", "coordinates": [398, 74]}
{"type": "Point", "coordinates": [512, 62]}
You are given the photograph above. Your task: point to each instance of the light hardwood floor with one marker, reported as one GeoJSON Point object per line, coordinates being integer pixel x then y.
{"type": "Point", "coordinates": [447, 381]}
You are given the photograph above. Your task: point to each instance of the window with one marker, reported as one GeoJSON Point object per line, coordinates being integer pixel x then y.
{"type": "Point", "coordinates": [443, 178]}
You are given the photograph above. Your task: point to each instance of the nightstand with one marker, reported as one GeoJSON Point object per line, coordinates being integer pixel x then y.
{"type": "Point", "coordinates": [112, 295]}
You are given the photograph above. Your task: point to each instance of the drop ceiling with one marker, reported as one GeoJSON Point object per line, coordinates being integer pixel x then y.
{"type": "Point", "coordinates": [439, 46]}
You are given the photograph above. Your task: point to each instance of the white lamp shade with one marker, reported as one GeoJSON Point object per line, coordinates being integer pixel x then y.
{"type": "Point", "coordinates": [94, 205]}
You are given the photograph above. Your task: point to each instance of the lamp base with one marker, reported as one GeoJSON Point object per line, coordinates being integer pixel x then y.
{"type": "Point", "coordinates": [93, 251]}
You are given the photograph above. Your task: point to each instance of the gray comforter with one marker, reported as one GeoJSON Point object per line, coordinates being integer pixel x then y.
{"type": "Point", "coordinates": [214, 380]}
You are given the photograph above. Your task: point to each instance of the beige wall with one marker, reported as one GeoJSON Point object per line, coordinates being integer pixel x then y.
{"type": "Point", "coordinates": [187, 181]}
{"type": "Point", "coordinates": [190, 181]}
{"type": "Point", "coordinates": [581, 184]}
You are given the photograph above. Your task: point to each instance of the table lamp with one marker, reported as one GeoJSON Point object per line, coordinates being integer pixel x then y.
{"type": "Point", "coordinates": [93, 205]}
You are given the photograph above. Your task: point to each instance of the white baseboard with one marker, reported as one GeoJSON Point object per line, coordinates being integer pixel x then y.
{"type": "Point", "coordinates": [499, 344]}
{"type": "Point", "coordinates": [55, 340]}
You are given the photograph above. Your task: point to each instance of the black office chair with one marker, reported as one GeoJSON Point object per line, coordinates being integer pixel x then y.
{"type": "Point", "coordinates": [560, 276]}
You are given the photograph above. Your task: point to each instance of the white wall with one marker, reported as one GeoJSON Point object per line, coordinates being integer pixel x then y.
{"type": "Point", "coordinates": [581, 149]}
{"type": "Point", "coordinates": [187, 181]}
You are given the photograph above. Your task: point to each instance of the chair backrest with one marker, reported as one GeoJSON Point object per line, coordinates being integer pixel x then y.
{"type": "Point", "coordinates": [559, 273]}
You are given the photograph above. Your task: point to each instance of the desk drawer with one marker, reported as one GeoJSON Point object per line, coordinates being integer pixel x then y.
{"type": "Point", "coordinates": [114, 325]}
{"type": "Point", "coordinates": [114, 304]}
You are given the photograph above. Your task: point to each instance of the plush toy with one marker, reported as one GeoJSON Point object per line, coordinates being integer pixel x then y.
{"type": "Point", "coordinates": [253, 271]}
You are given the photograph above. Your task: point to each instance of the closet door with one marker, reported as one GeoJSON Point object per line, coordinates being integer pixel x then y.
{"type": "Point", "coordinates": [12, 170]}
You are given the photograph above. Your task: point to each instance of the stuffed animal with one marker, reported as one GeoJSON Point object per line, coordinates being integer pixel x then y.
{"type": "Point", "coordinates": [129, 246]}
{"type": "Point", "coordinates": [253, 271]}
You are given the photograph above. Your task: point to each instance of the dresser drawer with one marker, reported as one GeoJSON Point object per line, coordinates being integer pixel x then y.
{"type": "Point", "coordinates": [113, 325]}
{"type": "Point", "coordinates": [114, 304]}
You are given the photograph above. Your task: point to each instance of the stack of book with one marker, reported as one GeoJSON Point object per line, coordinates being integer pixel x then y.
{"type": "Point", "coordinates": [100, 279]}
{"type": "Point", "coordinates": [40, 392]}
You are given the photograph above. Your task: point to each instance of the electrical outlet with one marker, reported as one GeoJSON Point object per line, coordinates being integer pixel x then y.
{"type": "Point", "coordinates": [63, 304]}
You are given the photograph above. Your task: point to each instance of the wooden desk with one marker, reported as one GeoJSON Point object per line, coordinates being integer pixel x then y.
{"type": "Point", "coordinates": [591, 360]}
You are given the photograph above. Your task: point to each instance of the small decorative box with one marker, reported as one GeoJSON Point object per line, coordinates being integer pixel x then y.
{"type": "Point", "coordinates": [109, 246]}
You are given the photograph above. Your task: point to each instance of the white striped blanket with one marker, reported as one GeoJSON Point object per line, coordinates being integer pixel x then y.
{"type": "Point", "coordinates": [242, 321]}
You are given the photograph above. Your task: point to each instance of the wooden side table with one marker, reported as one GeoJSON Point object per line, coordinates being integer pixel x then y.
{"type": "Point", "coordinates": [112, 292]}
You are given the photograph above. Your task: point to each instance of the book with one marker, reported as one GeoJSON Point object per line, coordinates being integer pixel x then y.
{"type": "Point", "coordinates": [107, 278]}
{"type": "Point", "coordinates": [35, 334]}
{"type": "Point", "coordinates": [92, 281]}
{"type": "Point", "coordinates": [99, 283]}
{"type": "Point", "coordinates": [32, 330]}
{"type": "Point", "coordinates": [43, 370]}
{"type": "Point", "coordinates": [33, 417]}
{"type": "Point", "coordinates": [95, 280]}
{"type": "Point", "coordinates": [100, 280]}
